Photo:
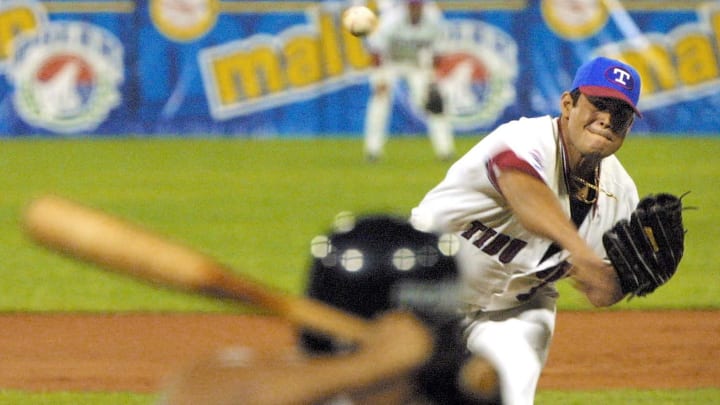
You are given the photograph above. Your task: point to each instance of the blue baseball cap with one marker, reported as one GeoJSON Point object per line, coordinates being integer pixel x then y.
{"type": "Point", "coordinates": [605, 77]}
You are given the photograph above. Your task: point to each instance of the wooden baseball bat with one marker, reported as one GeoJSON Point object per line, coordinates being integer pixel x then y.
{"type": "Point", "coordinates": [113, 243]}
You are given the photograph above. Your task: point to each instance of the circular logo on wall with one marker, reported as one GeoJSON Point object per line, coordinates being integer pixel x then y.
{"type": "Point", "coordinates": [184, 20]}
{"type": "Point", "coordinates": [574, 19]}
{"type": "Point", "coordinates": [66, 77]}
{"type": "Point", "coordinates": [476, 73]}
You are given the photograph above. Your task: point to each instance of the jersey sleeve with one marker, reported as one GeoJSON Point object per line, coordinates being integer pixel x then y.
{"type": "Point", "coordinates": [469, 190]}
{"type": "Point", "coordinates": [526, 145]}
{"type": "Point", "coordinates": [508, 160]}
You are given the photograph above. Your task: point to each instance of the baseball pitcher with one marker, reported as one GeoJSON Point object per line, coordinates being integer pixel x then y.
{"type": "Point", "coordinates": [538, 200]}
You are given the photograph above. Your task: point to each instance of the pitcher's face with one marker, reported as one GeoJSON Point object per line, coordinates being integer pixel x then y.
{"type": "Point", "coordinates": [595, 125]}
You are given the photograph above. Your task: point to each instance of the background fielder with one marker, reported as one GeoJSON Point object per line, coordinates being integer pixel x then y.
{"type": "Point", "coordinates": [403, 48]}
{"type": "Point", "coordinates": [530, 204]}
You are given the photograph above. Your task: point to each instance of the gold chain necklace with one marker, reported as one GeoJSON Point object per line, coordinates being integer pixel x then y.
{"type": "Point", "coordinates": [586, 185]}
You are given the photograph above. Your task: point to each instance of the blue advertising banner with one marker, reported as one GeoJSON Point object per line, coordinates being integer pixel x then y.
{"type": "Point", "coordinates": [287, 68]}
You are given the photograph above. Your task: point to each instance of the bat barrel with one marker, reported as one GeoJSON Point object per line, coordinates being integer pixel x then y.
{"type": "Point", "coordinates": [118, 245]}
{"type": "Point", "coordinates": [96, 237]}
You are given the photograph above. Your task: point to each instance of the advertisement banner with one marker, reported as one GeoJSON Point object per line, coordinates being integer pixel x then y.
{"type": "Point", "coordinates": [288, 68]}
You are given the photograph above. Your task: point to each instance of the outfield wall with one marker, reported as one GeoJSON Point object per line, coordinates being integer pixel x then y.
{"type": "Point", "coordinates": [286, 68]}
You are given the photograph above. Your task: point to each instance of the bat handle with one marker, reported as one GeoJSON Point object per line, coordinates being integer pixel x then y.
{"type": "Point", "coordinates": [301, 311]}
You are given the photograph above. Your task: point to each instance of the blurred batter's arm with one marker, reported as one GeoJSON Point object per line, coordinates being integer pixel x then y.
{"type": "Point", "coordinates": [380, 371]}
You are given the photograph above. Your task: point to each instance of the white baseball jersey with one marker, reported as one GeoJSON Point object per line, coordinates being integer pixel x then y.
{"type": "Point", "coordinates": [396, 40]}
{"type": "Point", "coordinates": [501, 262]}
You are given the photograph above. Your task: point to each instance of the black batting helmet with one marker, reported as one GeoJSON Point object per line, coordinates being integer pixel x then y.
{"type": "Point", "coordinates": [377, 262]}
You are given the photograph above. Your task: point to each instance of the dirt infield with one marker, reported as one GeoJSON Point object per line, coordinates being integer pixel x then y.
{"type": "Point", "coordinates": [133, 352]}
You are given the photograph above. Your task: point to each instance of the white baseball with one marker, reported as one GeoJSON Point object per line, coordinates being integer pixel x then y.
{"type": "Point", "coordinates": [359, 20]}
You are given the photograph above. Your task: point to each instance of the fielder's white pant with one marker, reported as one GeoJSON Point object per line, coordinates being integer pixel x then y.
{"type": "Point", "coordinates": [516, 342]}
{"type": "Point", "coordinates": [380, 104]}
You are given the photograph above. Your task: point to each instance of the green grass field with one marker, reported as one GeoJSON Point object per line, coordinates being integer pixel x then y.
{"type": "Point", "coordinates": [256, 204]}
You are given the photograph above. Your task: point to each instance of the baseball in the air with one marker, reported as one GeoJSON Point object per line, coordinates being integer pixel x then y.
{"type": "Point", "coordinates": [359, 20]}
